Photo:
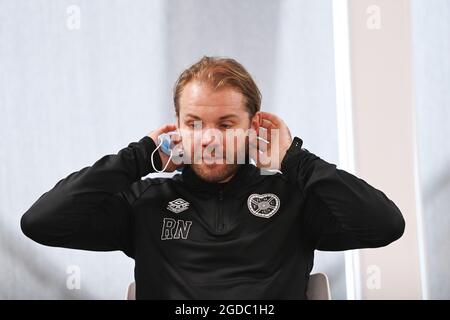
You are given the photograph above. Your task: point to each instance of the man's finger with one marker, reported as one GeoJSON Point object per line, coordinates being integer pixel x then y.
{"type": "Point", "coordinates": [175, 138]}
{"type": "Point", "coordinates": [269, 117]}
{"type": "Point", "coordinates": [167, 128]}
{"type": "Point", "coordinates": [268, 124]}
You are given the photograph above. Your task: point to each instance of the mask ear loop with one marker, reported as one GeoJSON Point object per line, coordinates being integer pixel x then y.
{"type": "Point", "coordinates": [262, 140]}
{"type": "Point", "coordinates": [168, 161]}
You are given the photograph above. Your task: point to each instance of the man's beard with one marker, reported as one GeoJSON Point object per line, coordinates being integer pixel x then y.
{"type": "Point", "coordinates": [215, 172]}
{"type": "Point", "coordinates": [218, 172]}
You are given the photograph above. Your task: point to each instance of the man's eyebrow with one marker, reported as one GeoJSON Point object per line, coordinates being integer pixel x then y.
{"type": "Point", "coordinates": [192, 116]}
{"type": "Point", "coordinates": [227, 116]}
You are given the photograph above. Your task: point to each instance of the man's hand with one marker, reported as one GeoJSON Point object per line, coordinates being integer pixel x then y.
{"type": "Point", "coordinates": [273, 129]}
{"type": "Point", "coordinates": [164, 157]}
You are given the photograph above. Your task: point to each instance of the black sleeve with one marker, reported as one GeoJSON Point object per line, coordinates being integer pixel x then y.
{"type": "Point", "coordinates": [91, 209]}
{"type": "Point", "coordinates": [341, 211]}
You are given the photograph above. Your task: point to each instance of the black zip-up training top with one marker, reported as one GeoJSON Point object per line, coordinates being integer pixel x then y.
{"type": "Point", "coordinates": [250, 238]}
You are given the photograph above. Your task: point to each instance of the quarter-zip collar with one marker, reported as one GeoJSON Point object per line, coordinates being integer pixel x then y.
{"type": "Point", "coordinates": [241, 178]}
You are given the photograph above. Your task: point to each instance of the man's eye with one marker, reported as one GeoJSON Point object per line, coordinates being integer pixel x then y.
{"type": "Point", "coordinates": [226, 125]}
{"type": "Point", "coordinates": [194, 125]}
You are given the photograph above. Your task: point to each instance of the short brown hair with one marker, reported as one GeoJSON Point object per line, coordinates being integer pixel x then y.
{"type": "Point", "coordinates": [219, 73]}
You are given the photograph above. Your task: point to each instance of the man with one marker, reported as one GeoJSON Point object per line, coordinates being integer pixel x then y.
{"type": "Point", "coordinates": [219, 229]}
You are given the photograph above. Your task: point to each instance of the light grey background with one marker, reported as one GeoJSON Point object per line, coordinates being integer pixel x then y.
{"type": "Point", "coordinates": [68, 97]}
{"type": "Point", "coordinates": [431, 52]}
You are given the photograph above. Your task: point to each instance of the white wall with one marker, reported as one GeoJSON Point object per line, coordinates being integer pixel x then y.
{"type": "Point", "coordinates": [384, 141]}
{"type": "Point", "coordinates": [431, 52]}
{"type": "Point", "coordinates": [70, 96]}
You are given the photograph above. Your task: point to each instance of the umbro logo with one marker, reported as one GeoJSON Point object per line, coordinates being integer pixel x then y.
{"type": "Point", "coordinates": [178, 205]}
{"type": "Point", "coordinates": [176, 229]}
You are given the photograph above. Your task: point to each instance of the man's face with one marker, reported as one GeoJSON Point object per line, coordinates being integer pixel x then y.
{"type": "Point", "coordinates": [204, 117]}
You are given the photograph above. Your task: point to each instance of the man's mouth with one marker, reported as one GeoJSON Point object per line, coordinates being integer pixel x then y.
{"type": "Point", "coordinates": [210, 160]}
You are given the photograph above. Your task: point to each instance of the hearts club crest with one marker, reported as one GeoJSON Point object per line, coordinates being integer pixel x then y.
{"type": "Point", "coordinates": [263, 205]}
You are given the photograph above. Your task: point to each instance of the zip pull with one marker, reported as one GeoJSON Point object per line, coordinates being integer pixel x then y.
{"type": "Point", "coordinates": [220, 225]}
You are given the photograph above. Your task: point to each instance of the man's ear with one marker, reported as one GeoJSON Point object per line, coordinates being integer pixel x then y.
{"type": "Point", "coordinates": [252, 134]}
{"type": "Point", "coordinates": [255, 122]}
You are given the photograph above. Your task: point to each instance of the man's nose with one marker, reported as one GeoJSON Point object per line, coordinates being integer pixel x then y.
{"type": "Point", "coordinates": [209, 136]}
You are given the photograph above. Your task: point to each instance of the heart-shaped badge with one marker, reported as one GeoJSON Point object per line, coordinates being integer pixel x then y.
{"type": "Point", "coordinates": [263, 205]}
